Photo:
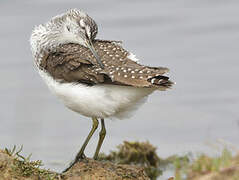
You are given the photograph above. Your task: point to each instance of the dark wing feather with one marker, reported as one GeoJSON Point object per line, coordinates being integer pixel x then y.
{"type": "Point", "coordinates": [75, 63]}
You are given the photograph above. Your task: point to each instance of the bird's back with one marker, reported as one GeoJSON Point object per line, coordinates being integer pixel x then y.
{"type": "Point", "coordinates": [73, 63]}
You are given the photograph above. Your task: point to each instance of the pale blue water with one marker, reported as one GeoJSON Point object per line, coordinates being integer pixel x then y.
{"type": "Point", "coordinates": [198, 40]}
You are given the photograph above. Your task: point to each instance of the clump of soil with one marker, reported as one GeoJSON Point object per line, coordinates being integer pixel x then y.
{"type": "Point", "coordinates": [91, 169]}
{"type": "Point", "coordinates": [15, 166]}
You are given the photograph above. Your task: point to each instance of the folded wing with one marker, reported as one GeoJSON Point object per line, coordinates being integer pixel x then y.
{"type": "Point", "coordinates": [76, 63]}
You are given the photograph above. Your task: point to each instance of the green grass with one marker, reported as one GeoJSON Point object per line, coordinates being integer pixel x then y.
{"type": "Point", "coordinates": [24, 167]}
{"type": "Point", "coordinates": [185, 167]}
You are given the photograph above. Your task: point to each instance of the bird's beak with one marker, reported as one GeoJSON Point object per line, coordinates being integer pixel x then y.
{"type": "Point", "coordinates": [91, 47]}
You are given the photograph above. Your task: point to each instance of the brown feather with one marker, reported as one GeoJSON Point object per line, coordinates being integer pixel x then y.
{"type": "Point", "coordinates": [76, 63]}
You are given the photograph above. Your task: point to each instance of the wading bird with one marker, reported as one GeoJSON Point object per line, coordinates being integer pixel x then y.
{"type": "Point", "coordinates": [96, 78]}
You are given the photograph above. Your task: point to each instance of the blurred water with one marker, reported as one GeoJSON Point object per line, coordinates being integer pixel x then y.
{"type": "Point", "coordinates": [198, 40]}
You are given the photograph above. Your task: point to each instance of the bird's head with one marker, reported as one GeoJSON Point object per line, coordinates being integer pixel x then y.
{"type": "Point", "coordinates": [74, 26]}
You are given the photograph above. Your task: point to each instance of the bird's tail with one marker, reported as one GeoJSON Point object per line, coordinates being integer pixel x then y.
{"type": "Point", "coordinates": [161, 82]}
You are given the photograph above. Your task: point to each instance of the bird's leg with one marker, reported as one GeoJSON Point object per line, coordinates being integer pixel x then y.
{"type": "Point", "coordinates": [80, 154]}
{"type": "Point", "coordinates": [101, 139]}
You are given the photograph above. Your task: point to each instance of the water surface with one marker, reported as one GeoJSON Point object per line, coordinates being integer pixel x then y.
{"type": "Point", "coordinates": [197, 40]}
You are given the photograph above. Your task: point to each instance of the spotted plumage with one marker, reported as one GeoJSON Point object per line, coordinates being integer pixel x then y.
{"type": "Point", "coordinates": [76, 63]}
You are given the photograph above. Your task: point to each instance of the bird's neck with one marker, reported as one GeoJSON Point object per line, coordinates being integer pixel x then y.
{"type": "Point", "coordinates": [44, 39]}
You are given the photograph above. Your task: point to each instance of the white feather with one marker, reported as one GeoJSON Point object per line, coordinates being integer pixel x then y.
{"type": "Point", "coordinates": [99, 101]}
{"type": "Point", "coordinates": [133, 57]}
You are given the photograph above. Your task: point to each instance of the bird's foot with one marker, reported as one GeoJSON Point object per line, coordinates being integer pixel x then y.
{"type": "Point", "coordinates": [83, 156]}
{"type": "Point", "coordinates": [77, 159]}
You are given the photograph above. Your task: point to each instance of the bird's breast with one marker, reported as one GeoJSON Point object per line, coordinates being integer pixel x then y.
{"type": "Point", "coordinates": [99, 100]}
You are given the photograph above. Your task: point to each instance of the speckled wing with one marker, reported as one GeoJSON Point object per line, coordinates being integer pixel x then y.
{"type": "Point", "coordinates": [76, 63]}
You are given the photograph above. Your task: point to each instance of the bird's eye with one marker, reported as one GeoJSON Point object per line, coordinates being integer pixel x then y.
{"type": "Point", "coordinates": [68, 28]}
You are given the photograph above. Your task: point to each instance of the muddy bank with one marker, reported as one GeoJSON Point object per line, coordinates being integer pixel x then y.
{"type": "Point", "coordinates": [130, 161]}
{"type": "Point", "coordinates": [15, 166]}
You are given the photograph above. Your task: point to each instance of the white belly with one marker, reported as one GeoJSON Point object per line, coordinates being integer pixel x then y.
{"type": "Point", "coordinates": [99, 101]}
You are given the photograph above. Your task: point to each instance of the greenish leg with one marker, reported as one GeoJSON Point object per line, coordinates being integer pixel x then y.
{"type": "Point", "coordinates": [80, 154]}
{"type": "Point", "coordinates": [101, 139]}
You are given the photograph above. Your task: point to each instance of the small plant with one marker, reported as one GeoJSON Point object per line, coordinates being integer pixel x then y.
{"type": "Point", "coordinates": [23, 167]}
{"type": "Point", "coordinates": [205, 164]}
{"type": "Point", "coordinates": [142, 154]}
{"type": "Point", "coordinates": [136, 153]}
